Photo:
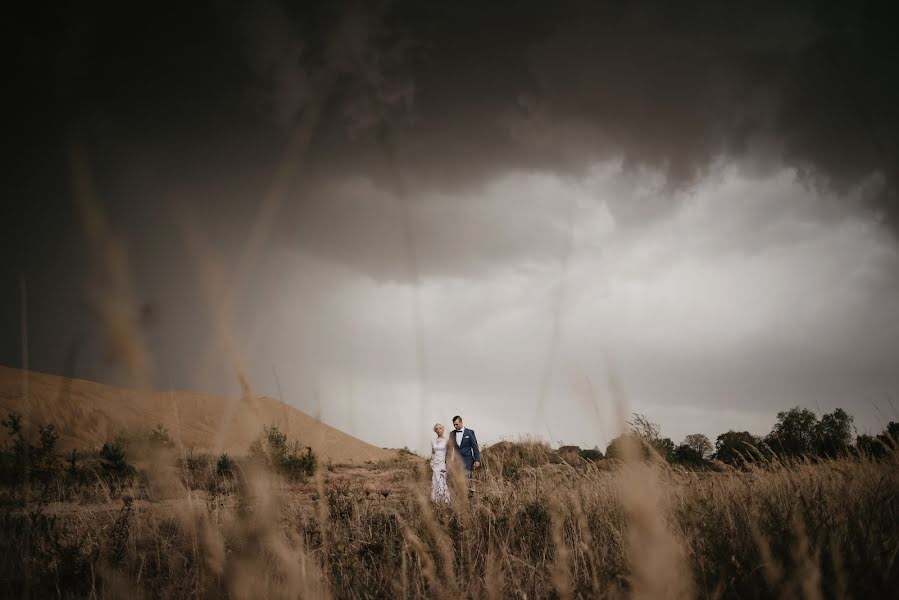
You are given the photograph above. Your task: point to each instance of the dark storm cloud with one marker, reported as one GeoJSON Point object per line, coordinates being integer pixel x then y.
{"type": "Point", "coordinates": [669, 86]}
{"type": "Point", "coordinates": [466, 91]}
{"type": "Point", "coordinates": [464, 94]}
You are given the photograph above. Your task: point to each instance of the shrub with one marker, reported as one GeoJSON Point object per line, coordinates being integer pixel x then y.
{"type": "Point", "coordinates": [160, 438]}
{"type": "Point", "coordinates": [570, 454]}
{"type": "Point", "coordinates": [22, 460]}
{"type": "Point", "coordinates": [73, 469]}
{"type": "Point", "coordinates": [591, 454]}
{"type": "Point", "coordinates": [224, 466]}
{"type": "Point", "coordinates": [298, 465]}
{"type": "Point", "coordinates": [293, 460]}
{"type": "Point", "coordinates": [115, 458]}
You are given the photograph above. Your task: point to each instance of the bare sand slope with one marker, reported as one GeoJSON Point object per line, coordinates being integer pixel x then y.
{"type": "Point", "coordinates": [87, 414]}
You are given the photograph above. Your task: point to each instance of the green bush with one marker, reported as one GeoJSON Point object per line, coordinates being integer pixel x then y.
{"type": "Point", "coordinates": [21, 460]}
{"type": "Point", "coordinates": [291, 459]}
{"type": "Point", "coordinates": [160, 438]}
{"type": "Point", "coordinates": [591, 454]}
{"type": "Point", "coordinates": [224, 466]}
{"type": "Point", "coordinates": [115, 458]}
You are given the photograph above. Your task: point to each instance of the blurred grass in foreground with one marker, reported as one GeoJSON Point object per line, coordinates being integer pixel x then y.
{"type": "Point", "coordinates": [543, 523]}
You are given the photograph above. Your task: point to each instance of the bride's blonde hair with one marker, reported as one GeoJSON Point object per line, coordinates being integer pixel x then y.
{"type": "Point", "coordinates": [436, 425]}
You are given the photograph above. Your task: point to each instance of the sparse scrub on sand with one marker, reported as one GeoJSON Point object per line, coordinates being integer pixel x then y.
{"type": "Point", "coordinates": [21, 460]}
{"type": "Point", "coordinates": [543, 523]}
{"type": "Point", "coordinates": [291, 459]}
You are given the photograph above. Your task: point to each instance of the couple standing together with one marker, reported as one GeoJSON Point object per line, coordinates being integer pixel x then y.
{"type": "Point", "coordinates": [460, 449]}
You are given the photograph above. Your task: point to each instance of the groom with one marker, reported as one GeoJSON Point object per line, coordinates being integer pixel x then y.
{"type": "Point", "coordinates": [466, 445]}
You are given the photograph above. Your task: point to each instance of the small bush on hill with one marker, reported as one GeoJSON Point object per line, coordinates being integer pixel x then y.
{"type": "Point", "coordinates": [224, 466]}
{"type": "Point", "coordinates": [293, 460]}
{"type": "Point", "coordinates": [21, 460]}
{"type": "Point", "coordinates": [115, 458]}
{"type": "Point", "coordinates": [160, 438]}
{"type": "Point", "coordinates": [591, 454]}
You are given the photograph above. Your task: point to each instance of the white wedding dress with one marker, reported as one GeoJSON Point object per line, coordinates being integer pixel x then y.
{"type": "Point", "coordinates": [439, 490]}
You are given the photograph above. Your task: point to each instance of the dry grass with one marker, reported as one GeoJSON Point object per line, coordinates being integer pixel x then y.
{"type": "Point", "coordinates": [641, 530]}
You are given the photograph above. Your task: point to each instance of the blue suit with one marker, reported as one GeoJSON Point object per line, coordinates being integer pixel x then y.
{"type": "Point", "coordinates": [468, 449]}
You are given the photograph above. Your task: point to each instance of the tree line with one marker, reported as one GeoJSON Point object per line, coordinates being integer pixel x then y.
{"type": "Point", "coordinates": [797, 434]}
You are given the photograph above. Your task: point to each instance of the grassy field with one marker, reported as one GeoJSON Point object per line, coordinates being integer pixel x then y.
{"type": "Point", "coordinates": [537, 526]}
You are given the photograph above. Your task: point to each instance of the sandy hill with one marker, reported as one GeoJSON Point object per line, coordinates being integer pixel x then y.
{"type": "Point", "coordinates": [87, 414]}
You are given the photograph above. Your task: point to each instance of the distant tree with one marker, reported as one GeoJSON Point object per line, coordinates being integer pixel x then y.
{"type": "Point", "coordinates": [869, 445]}
{"type": "Point", "coordinates": [665, 448]}
{"type": "Point", "coordinates": [646, 448]}
{"type": "Point", "coordinates": [833, 433]}
{"type": "Point", "coordinates": [892, 431]}
{"type": "Point", "coordinates": [734, 447]}
{"type": "Point", "coordinates": [687, 456]}
{"type": "Point", "coordinates": [881, 445]}
{"type": "Point", "coordinates": [700, 443]}
{"type": "Point", "coordinates": [794, 433]}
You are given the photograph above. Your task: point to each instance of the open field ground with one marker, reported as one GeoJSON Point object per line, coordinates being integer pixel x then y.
{"type": "Point", "coordinates": [536, 527]}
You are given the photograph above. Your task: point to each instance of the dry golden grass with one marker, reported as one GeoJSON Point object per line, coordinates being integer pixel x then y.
{"type": "Point", "coordinates": [628, 530]}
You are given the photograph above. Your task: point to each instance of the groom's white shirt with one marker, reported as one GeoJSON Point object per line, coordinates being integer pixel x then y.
{"type": "Point", "coordinates": [459, 435]}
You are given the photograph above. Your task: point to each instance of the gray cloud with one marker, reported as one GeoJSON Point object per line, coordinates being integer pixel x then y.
{"type": "Point", "coordinates": [734, 308]}
{"type": "Point", "coordinates": [673, 88]}
{"type": "Point", "coordinates": [668, 93]}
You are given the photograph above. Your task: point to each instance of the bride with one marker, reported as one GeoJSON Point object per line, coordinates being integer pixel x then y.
{"type": "Point", "coordinates": [439, 490]}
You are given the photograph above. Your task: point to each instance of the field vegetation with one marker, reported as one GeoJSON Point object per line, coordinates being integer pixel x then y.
{"type": "Point", "coordinates": [746, 517]}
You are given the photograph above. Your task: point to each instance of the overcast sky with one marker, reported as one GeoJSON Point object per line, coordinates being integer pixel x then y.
{"type": "Point", "coordinates": [390, 215]}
